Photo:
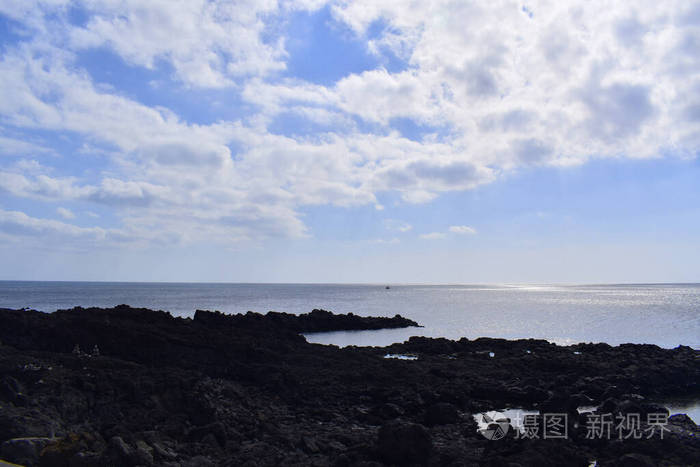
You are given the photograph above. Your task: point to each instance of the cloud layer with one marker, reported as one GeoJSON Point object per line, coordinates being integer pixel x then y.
{"type": "Point", "coordinates": [481, 90]}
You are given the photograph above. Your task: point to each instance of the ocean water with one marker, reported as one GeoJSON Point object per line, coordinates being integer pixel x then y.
{"type": "Point", "coordinates": [667, 315]}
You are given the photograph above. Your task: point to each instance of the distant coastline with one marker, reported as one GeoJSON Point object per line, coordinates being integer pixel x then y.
{"type": "Point", "coordinates": [664, 315]}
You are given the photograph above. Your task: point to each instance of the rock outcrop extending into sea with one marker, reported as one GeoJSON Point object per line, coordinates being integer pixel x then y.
{"type": "Point", "coordinates": [127, 387]}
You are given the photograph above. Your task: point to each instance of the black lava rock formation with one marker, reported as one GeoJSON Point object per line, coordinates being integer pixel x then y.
{"type": "Point", "coordinates": [127, 387]}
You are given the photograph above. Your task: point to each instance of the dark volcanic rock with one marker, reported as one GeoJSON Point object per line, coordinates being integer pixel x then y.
{"type": "Point", "coordinates": [404, 443]}
{"type": "Point", "coordinates": [316, 321]}
{"type": "Point", "coordinates": [441, 413]}
{"type": "Point", "coordinates": [23, 450]}
{"type": "Point", "coordinates": [635, 460]}
{"type": "Point", "coordinates": [250, 390]}
{"type": "Point", "coordinates": [684, 421]}
{"type": "Point", "coordinates": [76, 449]}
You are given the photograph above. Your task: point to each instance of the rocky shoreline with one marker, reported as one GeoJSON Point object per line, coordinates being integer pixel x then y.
{"type": "Point", "coordinates": [126, 387]}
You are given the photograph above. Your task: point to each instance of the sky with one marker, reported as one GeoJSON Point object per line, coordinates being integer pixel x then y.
{"type": "Point", "coordinates": [367, 141]}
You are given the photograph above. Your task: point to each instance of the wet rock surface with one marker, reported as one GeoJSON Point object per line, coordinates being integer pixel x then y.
{"type": "Point", "coordinates": [127, 387]}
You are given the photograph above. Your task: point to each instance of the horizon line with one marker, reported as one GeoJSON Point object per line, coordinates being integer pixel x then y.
{"type": "Point", "coordinates": [397, 284]}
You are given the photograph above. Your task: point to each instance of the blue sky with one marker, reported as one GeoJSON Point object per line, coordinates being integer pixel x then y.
{"type": "Point", "coordinates": [364, 141]}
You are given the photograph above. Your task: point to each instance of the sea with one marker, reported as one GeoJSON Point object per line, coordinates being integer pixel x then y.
{"type": "Point", "coordinates": [667, 315]}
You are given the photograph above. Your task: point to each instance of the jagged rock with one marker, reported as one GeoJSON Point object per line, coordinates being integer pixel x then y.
{"type": "Point", "coordinates": [216, 429]}
{"type": "Point", "coordinates": [560, 402]}
{"type": "Point", "coordinates": [635, 460]}
{"type": "Point", "coordinates": [142, 454]}
{"type": "Point", "coordinates": [309, 445]}
{"type": "Point", "coordinates": [653, 408]}
{"type": "Point", "coordinates": [316, 321]}
{"type": "Point", "coordinates": [10, 389]}
{"type": "Point", "coordinates": [630, 406]}
{"type": "Point", "coordinates": [609, 405]}
{"type": "Point", "coordinates": [244, 389]}
{"type": "Point", "coordinates": [119, 451]}
{"type": "Point", "coordinates": [335, 446]}
{"type": "Point", "coordinates": [387, 411]}
{"type": "Point", "coordinates": [85, 459]}
{"type": "Point", "coordinates": [8, 464]}
{"type": "Point", "coordinates": [198, 461]}
{"type": "Point", "coordinates": [163, 453]}
{"type": "Point", "coordinates": [399, 442]}
{"type": "Point", "coordinates": [23, 450]}
{"type": "Point", "coordinates": [441, 413]}
{"type": "Point", "coordinates": [79, 449]}
{"type": "Point", "coordinates": [684, 421]}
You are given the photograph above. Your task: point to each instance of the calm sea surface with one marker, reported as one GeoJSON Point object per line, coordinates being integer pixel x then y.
{"type": "Point", "coordinates": [662, 314]}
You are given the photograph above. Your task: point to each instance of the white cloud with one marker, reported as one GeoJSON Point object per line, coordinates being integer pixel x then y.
{"type": "Point", "coordinates": [65, 213]}
{"type": "Point", "coordinates": [573, 79]}
{"type": "Point", "coordinates": [17, 146]}
{"type": "Point", "coordinates": [42, 187]}
{"type": "Point", "coordinates": [462, 230]}
{"type": "Point", "coordinates": [209, 44]}
{"type": "Point", "coordinates": [455, 229]}
{"type": "Point", "coordinates": [404, 94]}
{"type": "Point", "coordinates": [492, 88]}
{"type": "Point", "coordinates": [396, 225]}
{"type": "Point", "coordinates": [29, 166]}
{"type": "Point", "coordinates": [383, 241]}
{"type": "Point", "coordinates": [18, 223]}
{"type": "Point", "coordinates": [48, 232]}
{"type": "Point", "coordinates": [432, 236]}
